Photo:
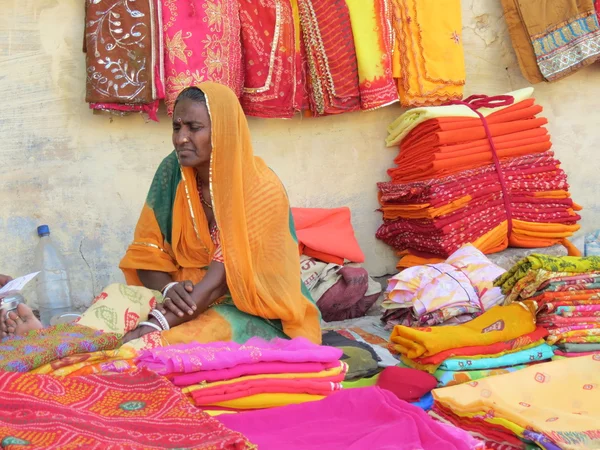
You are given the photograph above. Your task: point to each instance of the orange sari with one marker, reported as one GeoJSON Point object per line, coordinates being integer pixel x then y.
{"type": "Point", "coordinates": [257, 236]}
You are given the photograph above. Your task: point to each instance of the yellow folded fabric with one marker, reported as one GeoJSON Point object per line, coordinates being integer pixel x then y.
{"type": "Point", "coordinates": [560, 399]}
{"type": "Point", "coordinates": [68, 365]}
{"type": "Point", "coordinates": [501, 323]}
{"type": "Point", "coordinates": [260, 401]}
{"type": "Point", "coordinates": [343, 368]}
{"type": "Point", "coordinates": [431, 368]}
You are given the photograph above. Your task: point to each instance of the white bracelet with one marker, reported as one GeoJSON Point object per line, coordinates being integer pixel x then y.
{"type": "Point", "coordinates": [162, 320]}
{"type": "Point", "coordinates": [151, 325]}
{"type": "Point", "coordinates": [167, 287]}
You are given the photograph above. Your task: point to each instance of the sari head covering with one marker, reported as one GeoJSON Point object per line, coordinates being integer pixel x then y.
{"type": "Point", "coordinates": [256, 229]}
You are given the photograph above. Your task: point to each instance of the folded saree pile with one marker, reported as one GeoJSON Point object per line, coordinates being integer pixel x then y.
{"type": "Point", "coordinates": [567, 292]}
{"type": "Point", "coordinates": [133, 410]}
{"type": "Point", "coordinates": [448, 293]}
{"type": "Point", "coordinates": [450, 187]}
{"type": "Point", "coordinates": [255, 375]}
{"type": "Point", "coordinates": [352, 419]}
{"type": "Point", "coordinates": [505, 338]}
{"type": "Point", "coordinates": [553, 38]}
{"type": "Point", "coordinates": [554, 406]}
{"type": "Point", "coordinates": [124, 56]}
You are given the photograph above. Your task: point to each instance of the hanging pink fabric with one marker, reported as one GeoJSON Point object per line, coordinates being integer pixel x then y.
{"type": "Point", "coordinates": [351, 419]}
{"type": "Point", "coordinates": [483, 101]}
{"type": "Point", "coordinates": [202, 43]}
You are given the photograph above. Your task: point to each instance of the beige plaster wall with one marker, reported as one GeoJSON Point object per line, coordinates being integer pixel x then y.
{"type": "Point", "coordinates": [86, 175]}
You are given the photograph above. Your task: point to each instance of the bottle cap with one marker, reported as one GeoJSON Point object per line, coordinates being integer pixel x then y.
{"type": "Point", "coordinates": [43, 230]}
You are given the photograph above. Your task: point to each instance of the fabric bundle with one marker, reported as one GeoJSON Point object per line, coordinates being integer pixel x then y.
{"type": "Point", "coordinates": [124, 56]}
{"type": "Point", "coordinates": [493, 182]}
{"type": "Point", "coordinates": [503, 339]}
{"type": "Point", "coordinates": [567, 293]}
{"type": "Point", "coordinates": [342, 289]}
{"type": "Point", "coordinates": [133, 410]}
{"type": "Point", "coordinates": [352, 419]}
{"type": "Point", "coordinates": [428, 61]}
{"type": "Point", "coordinates": [257, 374]}
{"type": "Point", "coordinates": [552, 38]}
{"type": "Point", "coordinates": [449, 293]}
{"type": "Point", "coordinates": [553, 406]}
{"type": "Point", "coordinates": [341, 292]}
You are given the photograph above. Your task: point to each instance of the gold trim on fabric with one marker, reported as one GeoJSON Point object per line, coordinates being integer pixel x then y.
{"type": "Point", "coordinates": [189, 201]}
{"type": "Point", "coordinates": [274, 47]}
{"type": "Point", "coordinates": [148, 244]}
{"type": "Point", "coordinates": [153, 51]}
{"type": "Point", "coordinates": [210, 169]}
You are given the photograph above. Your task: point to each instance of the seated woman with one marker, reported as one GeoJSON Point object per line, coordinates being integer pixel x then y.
{"type": "Point", "coordinates": [215, 236]}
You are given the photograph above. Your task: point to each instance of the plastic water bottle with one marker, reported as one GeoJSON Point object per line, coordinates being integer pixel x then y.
{"type": "Point", "coordinates": [53, 285]}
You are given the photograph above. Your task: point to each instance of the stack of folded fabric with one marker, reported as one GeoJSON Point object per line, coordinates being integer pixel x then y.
{"type": "Point", "coordinates": [567, 292]}
{"type": "Point", "coordinates": [450, 187]}
{"type": "Point", "coordinates": [503, 339]}
{"type": "Point", "coordinates": [449, 293]}
{"type": "Point", "coordinates": [227, 376]}
{"type": "Point", "coordinates": [554, 406]}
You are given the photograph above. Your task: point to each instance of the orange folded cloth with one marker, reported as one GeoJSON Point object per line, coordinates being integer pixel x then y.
{"type": "Point", "coordinates": [327, 235]}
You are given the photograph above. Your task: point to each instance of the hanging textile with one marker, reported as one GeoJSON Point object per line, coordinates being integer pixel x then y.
{"type": "Point", "coordinates": [202, 43]}
{"type": "Point", "coordinates": [272, 62]}
{"type": "Point", "coordinates": [429, 63]}
{"type": "Point", "coordinates": [330, 56]}
{"type": "Point", "coordinates": [553, 38]}
{"type": "Point", "coordinates": [124, 55]}
{"type": "Point", "coordinates": [373, 38]}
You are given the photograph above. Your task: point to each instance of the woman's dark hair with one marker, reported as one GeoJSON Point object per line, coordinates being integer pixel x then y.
{"type": "Point", "coordinates": [191, 93]}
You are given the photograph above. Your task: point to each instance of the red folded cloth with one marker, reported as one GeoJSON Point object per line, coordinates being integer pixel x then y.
{"type": "Point", "coordinates": [407, 384]}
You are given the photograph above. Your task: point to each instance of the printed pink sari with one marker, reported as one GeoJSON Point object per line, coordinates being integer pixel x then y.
{"type": "Point", "coordinates": [202, 43]}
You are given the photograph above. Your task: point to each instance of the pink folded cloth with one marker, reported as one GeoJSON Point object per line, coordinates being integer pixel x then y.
{"type": "Point", "coordinates": [261, 368]}
{"type": "Point", "coordinates": [351, 419]}
{"type": "Point", "coordinates": [233, 391]}
{"type": "Point", "coordinates": [194, 357]}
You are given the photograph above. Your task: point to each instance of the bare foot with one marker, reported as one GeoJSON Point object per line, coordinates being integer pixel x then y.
{"type": "Point", "coordinates": [21, 321]}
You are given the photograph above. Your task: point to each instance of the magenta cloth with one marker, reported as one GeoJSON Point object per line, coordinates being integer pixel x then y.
{"type": "Point", "coordinates": [351, 419]}
{"type": "Point", "coordinates": [194, 357]}
{"type": "Point", "coordinates": [261, 368]}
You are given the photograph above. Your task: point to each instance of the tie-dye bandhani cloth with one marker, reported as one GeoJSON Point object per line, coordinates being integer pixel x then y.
{"type": "Point", "coordinates": [134, 410]}
{"type": "Point", "coordinates": [554, 405]}
{"type": "Point", "coordinates": [40, 347]}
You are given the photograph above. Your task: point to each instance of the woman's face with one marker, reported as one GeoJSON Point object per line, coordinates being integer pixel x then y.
{"type": "Point", "coordinates": [191, 133]}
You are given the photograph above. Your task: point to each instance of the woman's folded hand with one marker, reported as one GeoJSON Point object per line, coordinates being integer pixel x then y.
{"type": "Point", "coordinates": [178, 299]}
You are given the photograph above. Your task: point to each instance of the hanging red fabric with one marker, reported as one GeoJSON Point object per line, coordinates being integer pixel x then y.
{"type": "Point", "coordinates": [483, 101]}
